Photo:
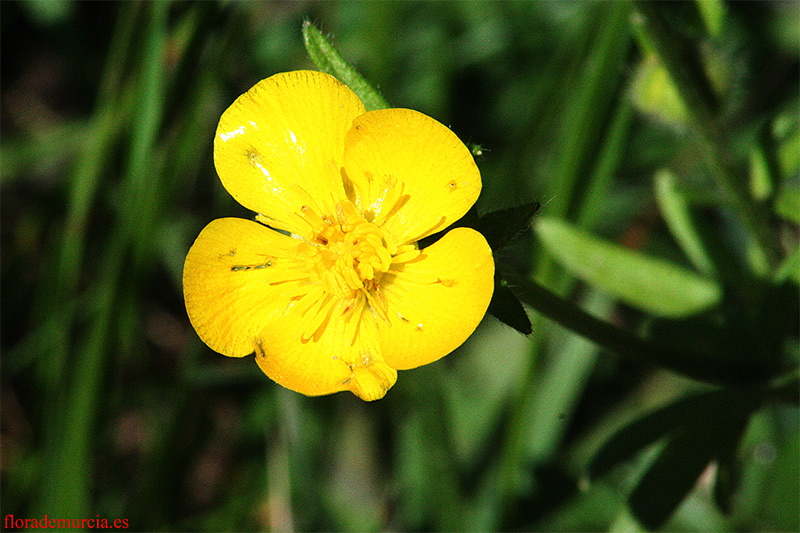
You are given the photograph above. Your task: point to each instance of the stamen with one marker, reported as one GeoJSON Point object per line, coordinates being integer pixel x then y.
{"type": "Point", "coordinates": [319, 319]}
{"type": "Point", "coordinates": [311, 298]}
{"type": "Point", "coordinates": [405, 253]}
{"type": "Point", "coordinates": [311, 217]}
{"type": "Point", "coordinates": [343, 257]}
{"type": "Point", "coordinates": [430, 231]}
{"type": "Point", "coordinates": [377, 303]}
{"type": "Point", "coordinates": [296, 292]}
{"type": "Point", "coordinates": [385, 258]}
{"type": "Point", "coordinates": [352, 279]}
{"type": "Point", "coordinates": [391, 203]}
{"type": "Point", "coordinates": [373, 239]}
{"type": "Point", "coordinates": [366, 271]}
{"type": "Point", "coordinates": [352, 316]}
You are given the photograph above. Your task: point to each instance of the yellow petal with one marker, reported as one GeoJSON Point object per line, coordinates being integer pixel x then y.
{"type": "Point", "coordinates": [247, 291]}
{"type": "Point", "coordinates": [436, 300]}
{"type": "Point", "coordinates": [344, 354]}
{"type": "Point", "coordinates": [410, 172]}
{"type": "Point", "coordinates": [227, 280]}
{"type": "Point", "coordinates": [279, 146]}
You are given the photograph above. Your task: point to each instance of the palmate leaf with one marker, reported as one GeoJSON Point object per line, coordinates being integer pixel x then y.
{"type": "Point", "coordinates": [696, 409]}
{"type": "Point", "coordinates": [674, 473]}
{"type": "Point", "coordinates": [751, 337]}
{"type": "Point", "coordinates": [729, 477]}
{"type": "Point", "coordinates": [668, 480]}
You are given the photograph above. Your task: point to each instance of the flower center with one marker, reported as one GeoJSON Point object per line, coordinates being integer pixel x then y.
{"type": "Point", "coordinates": [347, 253]}
{"type": "Point", "coordinates": [340, 261]}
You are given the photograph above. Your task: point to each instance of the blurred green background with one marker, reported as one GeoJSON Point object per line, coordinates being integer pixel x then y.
{"type": "Point", "coordinates": [112, 406]}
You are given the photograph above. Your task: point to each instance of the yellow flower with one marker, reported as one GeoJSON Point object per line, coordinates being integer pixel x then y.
{"type": "Point", "coordinates": [340, 297]}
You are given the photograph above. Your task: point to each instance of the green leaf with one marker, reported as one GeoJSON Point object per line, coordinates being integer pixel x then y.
{"type": "Point", "coordinates": [505, 306]}
{"type": "Point", "coordinates": [645, 431]}
{"type": "Point", "coordinates": [786, 130]}
{"type": "Point", "coordinates": [628, 441]}
{"type": "Point", "coordinates": [654, 285]}
{"type": "Point", "coordinates": [789, 269]}
{"type": "Point", "coordinates": [676, 213]}
{"type": "Point", "coordinates": [654, 93]}
{"type": "Point", "coordinates": [500, 227]}
{"type": "Point", "coordinates": [727, 482]}
{"type": "Point", "coordinates": [708, 436]}
{"type": "Point", "coordinates": [761, 176]}
{"type": "Point", "coordinates": [698, 429]}
{"type": "Point", "coordinates": [328, 60]}
{"type": "Point", "coordinates": [669, 480]}
{"type": "Point", "coordinates": [561, 383]}
{"type": "Point", "coordinates": [787, 204]}
{"type": "Point", "coordinates": [48, 12]}
{"type": "Point", "coordinates": [713, 13]}
{"type": "Point", "coordinates": [690, 411]}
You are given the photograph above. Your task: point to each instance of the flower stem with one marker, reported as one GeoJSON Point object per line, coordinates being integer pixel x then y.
{"type": "Point", "coordinates": [628, 345]}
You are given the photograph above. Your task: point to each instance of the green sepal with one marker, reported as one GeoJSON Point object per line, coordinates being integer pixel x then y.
{"type": "Point", "coordinates": [498, 227]}
{"type": "Point", "coordinates": [328, 60]}
{"type": "Point", "coordinates": [506, 307]}
{"type": "Point", "coordinates": [501, 226]}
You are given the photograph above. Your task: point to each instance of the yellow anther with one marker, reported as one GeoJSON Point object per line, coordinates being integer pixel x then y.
{"type": "Point", "coordinates": [374, 240]}
{"type": "Point", "coordinates": [385, 258]}
{"type": "Point", "coordinates": [366, 271]}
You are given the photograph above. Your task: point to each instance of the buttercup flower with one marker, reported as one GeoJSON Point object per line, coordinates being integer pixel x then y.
{"type": "Point", "coordinates": [328, 287]}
